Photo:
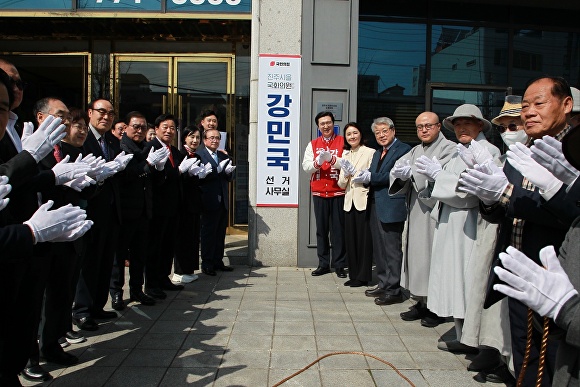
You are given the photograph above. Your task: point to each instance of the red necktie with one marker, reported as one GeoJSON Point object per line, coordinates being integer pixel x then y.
{"type": "Point", "coordinates": [171, 157]}
{"type": "Point", "coordinates": [57, 154]}
{"type": "Point", "coordinates": [384, 153]}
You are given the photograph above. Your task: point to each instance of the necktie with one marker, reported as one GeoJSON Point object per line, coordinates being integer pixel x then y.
{"type": "Point", "coordinates": [171, 157]}
{"type": "Point", "coordinates": [384, 153]}
{"type": "Point", "coordinates": [104, 148]}
{"type": "Point", "coordinates": [214, 155]}
{"type": "Point", "coordinates": [57, 154]}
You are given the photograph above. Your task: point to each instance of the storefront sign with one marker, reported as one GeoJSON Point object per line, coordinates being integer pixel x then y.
{"type": "Point", "coordinates": [190, 6]}
{"type": "Point", "coordinates": [334, 107]}
{"type": "Point", "coordinates": [278, 161]}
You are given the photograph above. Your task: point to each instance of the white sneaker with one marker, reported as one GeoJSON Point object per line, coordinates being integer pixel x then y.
{"type": "Point", "coordinates": [184, 278]}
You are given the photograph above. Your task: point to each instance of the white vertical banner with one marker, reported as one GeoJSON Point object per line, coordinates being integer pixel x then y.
{"type": "Point", "coordinates": [278, 158]}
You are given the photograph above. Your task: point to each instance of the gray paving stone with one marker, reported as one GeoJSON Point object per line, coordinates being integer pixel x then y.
{"type": "Point", "coordinates": [253, 328]}
{"type": "Point", "coordinates": [241, 377]}
{"type": "Point", "coordinates": [194, 358]}
{"type": "Point", "coordinates": [293, 328]}
{"type": "Point", "coordinates": [247, 359]}
{"type": "Point", "coordinates": [189, 376]}
{"type": "Point", "coordinates": [136, 376]}
{"type": "Point", "coordinates": [294, 343]}
{"type": "Point", "coordinates": [307, 378]}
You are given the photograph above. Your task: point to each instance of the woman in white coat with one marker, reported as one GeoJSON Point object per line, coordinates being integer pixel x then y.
{"type": "Point", "coordinates": [357, 157]}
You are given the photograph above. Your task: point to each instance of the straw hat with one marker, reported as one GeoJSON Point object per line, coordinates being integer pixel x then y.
{"type": "Point", "coordinates": [576, 98]}
{"type": "Point", "coordinates": [512, 107]}
{"type": "Point", "coordinates": [466, 111]}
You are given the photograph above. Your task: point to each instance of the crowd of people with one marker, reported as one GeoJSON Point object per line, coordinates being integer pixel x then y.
{"type": "Point", "coordinates": [81, 198]}
{"type": "Point", "coordinates": [461, 225]}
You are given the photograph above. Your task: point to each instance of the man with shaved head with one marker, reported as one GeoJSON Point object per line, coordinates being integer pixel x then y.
{"type": "Point", "coordinates": [405, 180]}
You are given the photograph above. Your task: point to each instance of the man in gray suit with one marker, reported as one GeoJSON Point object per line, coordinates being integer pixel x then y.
{"type": "Point", "coordinates": [387, 213]}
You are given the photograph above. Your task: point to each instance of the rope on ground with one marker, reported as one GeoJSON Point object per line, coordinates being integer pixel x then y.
{"type": "Point", "coordinates": [343, 353]}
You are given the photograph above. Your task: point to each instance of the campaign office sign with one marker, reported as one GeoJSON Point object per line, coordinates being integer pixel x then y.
{"type": "Point", "coordinates": [278, 161]}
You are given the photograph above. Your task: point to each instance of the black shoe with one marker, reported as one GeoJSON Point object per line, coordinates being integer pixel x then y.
{"type": "Point", "coordinates": [416, 312]}
{"type": "Point", "coordinates": [168, 285]}
{"type": "Point", "coordinates": [73, 337]}
{"type": "Point", "coordinates": [142, 298]}
{"type": "Point", "coordinates": [117, 302]}
{"type": "Point", "coordinates": [389, 299]}
{"type": "Point", "coordinates": [104, 314]}
{"type": "Point", "coordinates": [357, 283]}
{"type": "Point", "coordinates": [156, 293]}
{"type": "Point", "coordinates": [486, 360]}
{"type": "Point", "coordinates": [36, 374]}
{"type": "Point", "coordinates": [62, 358]}
{"type": "Point", "coordinates": [86, 323]}
{"type": "Point", "coordinates": [431, 320]}
{"type": "Point", "coordinates": [320, 271]}
{"type": "Point", "coordinates": [208, 271]}
{"type": "Point", "coordinates": [347, 283]}
{"type": "Point", "coordinates": [225, 268]}
{"type": "Point", "coordinates": [374, 292]}
{"type": "Point", "coordinates": [500, 374]}
{"type": "Point", "coordinates": [340, 273]}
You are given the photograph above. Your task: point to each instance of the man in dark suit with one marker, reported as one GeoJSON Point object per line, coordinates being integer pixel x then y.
{"type": "Point", "coordinates": [387, 213]}
{"type": "Point", "coordinates": [214, 198]}
{"type": "Point", "coordinates": [104, 209]}
{"type": "Point", "coordinates": [167, 196]}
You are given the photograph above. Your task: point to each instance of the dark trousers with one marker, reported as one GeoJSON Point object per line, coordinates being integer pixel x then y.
{"type": "Point", "coordinates": [38, 275]}
{"type": "Point", "coordinates": [518, 328]}
{"type": "Point", "coordinates": [131, 246]}
{"type": "Point", "coordinates": [359, 245]}
{"type": "Point", "coordinates": [159, 256]}
{"type": "Point", "coordinates": [387, 251]}
{"type": "Point", "coordinates": [213, 236]}
{"type": "Point", "coordinates": [329, 214]}
{"type": "Point", "coordinates": [93, 285]}
{"type": "Point", "coordinates": [187, 243]}
{"type": "Point", "coordinates": [58, 296]}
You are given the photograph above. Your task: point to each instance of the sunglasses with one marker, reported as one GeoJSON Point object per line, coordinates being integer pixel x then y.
{"type": "Point", "coordinates": [510, 127]}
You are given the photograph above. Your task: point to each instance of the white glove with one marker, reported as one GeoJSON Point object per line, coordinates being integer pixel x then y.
{"type": "Point", "coordinates": [548, 153]}
{"type": "Point", "coordinates": [196, 168]}
{"type": "Point", "coordinates": [363, 177]}
{"type": "Point", "coordinates": [186, 164]}
{"type": "Point", "coordinates": [106, 172]}
{"type": "Point", "coordinates": [48, 225]}
{"type": "Point", "coordinates": [5, 189]}
{"type": "Point", "coordinates": [428, 167]}
{"type": "Point", "coordinates": [207, 169]}
{"type": "Point", "coordinates": [544, 289]}
{"type": "Point", "coordinates": [485, 181]}
{"type": "Point", "coordinates": [229, 169]}
{"type": "Point", "coordinates": [95, 163]}
{"type": "Point", "coordinates": [80, 183]}
{"type": "Point", "coordinates": [123, 159]}
{"type": "Point", "coordinates": [402, 170]}
{"type": "Point", "coordinates": [347, 167]}
{"type": "Point", "coordinates": [41, 142]}
{"type": "Point", "coordinates": [78, 230]}
{"type": "Point", "coordinates": [158, 158]}
{"type": "Point", "coordinates": [323, 156]}
{"type": "Point", "coordinates": [474, 154]}
{"type": "Point", "coordinates": [519, 156]}
{"type": "Point", "coordinates": [222, 165]}
{"type": "Point", "coordinates": [65, 171]}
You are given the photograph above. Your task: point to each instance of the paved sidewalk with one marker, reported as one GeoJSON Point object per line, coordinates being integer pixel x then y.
{"type": "Point", "coordinates": [256, 326]}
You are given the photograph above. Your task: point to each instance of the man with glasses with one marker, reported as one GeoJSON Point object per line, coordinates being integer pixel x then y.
{"type": "Point", "coordinates": [105, 211]}
{"type": "Point", "coordinates": [137, 206]}
{"type": "Point", "coordinates": [322, 159]}
{"type": "Point", "coordinates": [214, 200]}
{"type": "Point", "coordinates": [404, 179]}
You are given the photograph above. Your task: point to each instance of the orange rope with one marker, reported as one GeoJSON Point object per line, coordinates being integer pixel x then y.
{"type": "Point", "coordinates": [528, 348]}
{"type": "Point", "coordinates": [542, 361]}
{"type": "Point", "coordinates": [343, 353]}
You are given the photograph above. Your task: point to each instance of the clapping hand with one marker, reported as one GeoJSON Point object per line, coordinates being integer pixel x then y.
{"type": "Point", "coordinates": [347, 167]}
{"type": "Point", "coordinates": [548, 153]}
{"type": "Point", "coordinates": [364, 177]}
{"type": "Point", "coordinates": [428, 167]}
{"type": "Point", "coordinates": [486, 181]}
{"type": "Point", "coordinates": [402, 169]}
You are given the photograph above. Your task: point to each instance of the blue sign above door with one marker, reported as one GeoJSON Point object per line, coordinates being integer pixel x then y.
{"type": "Point", "coordinates": [189, 6]}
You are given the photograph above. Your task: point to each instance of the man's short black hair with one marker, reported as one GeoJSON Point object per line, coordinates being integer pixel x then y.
{"type": "Point", "coordinates": [323, 114]}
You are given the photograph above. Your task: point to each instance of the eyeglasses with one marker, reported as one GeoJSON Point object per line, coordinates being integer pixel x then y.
{"type": "Point", "coordinates": [511, 127]}
{"type": "Point", "coordinates": [212, 138]}
{"type": "Point", "coordinates": [384, 131]}
{"type": "Point", "coordinates": [105, 112]}
{"type": "Point", "coordinates": [426, 126]}
{"type": "Point", "coordinates": [139, 127]}
{"type": "Point", "coordinates": [18, 83]}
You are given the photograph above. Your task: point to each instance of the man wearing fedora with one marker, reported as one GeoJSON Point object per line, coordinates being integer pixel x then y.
{"type": "Point", "coordinates": [521, 199]}
{"type": "Point", "coordinates": [509, 122]}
